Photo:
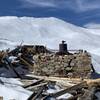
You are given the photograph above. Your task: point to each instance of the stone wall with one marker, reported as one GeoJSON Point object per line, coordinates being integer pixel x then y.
{"type": "Point", "coordinates": [75, 65]}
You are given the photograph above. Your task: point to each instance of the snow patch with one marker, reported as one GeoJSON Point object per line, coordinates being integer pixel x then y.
{"type": "Point", "coordinates": [11, 89]}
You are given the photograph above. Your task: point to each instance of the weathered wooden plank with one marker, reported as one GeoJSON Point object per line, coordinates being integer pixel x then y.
{"type": "Point", "coordinates": [26, 62]}
{"type": "Point", "coordinates": [1, 98]}
{"type": "Point", "coordinates": [35, 83]}
{"type": "Point", "coordinates": [36, 86]}
{"type": "Point", "coordinates": [72, 80]}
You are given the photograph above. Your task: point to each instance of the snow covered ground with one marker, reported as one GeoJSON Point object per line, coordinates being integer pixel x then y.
{"type": "Point", "coordinates": [11, 89]}
{"type": "Point", "coordinates": [49, 32]}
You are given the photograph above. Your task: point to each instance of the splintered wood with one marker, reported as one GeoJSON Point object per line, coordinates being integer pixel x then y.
{"type": "Point", "coordinates": [78, 88]}
{"type": "Point", "coordinates": [1, 98]}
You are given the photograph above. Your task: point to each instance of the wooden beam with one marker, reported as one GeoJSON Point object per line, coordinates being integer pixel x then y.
{"type": "Point", "coordinates": [26, 62]}
{"type": "Point", "coordinates": [36, 86]}
{"type": "Point", "coordinates": [68, 90]}
{"type": "Point", "coordinates": [33, 84]}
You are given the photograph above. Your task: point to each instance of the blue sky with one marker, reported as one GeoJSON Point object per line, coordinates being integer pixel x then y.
{"type": "Point", "coordinates": [79, 12]}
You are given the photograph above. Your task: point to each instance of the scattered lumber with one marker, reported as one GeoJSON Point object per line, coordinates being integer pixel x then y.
{"type": "Point", "coordinates": [83, 89]}
{"type": "Point", "coordinates": [38, 94]}
{"type": "Point", "coordinates": [90, 82]}
{"type": "Point", "coordinates": [88, 95]}
{"type": "Point", "coordinates": [68, 90]}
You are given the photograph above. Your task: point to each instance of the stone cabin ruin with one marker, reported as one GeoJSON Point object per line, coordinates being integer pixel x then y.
{"type": "Point", "coordinates": [63, 63]}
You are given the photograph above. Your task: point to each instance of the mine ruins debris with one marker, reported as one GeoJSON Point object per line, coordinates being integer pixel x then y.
{"type": "Point", "coordinates": [63, 63]}
{"type": "Point", "coordinates": [49, 75]}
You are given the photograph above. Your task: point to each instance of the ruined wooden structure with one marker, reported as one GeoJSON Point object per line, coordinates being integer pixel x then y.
{"type": "Point", "coordinates": [79, 89]}
{"type": "Point", "coordinates": [48, 69]}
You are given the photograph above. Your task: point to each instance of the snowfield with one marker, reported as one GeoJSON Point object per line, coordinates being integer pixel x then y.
{"type": "Point", "coordinates": [49, 32]}
{"type": "Point", "coordinates": [11, 89]}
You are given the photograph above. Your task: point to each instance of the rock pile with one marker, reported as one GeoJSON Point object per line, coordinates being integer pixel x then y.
{"type": "Point", "coordinates": [75, 65]}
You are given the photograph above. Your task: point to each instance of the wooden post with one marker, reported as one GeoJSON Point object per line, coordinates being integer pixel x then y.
{"type": "Point", "coordinates": [26, 62]}
{"type": "Point", "coordinates": [1, 98]}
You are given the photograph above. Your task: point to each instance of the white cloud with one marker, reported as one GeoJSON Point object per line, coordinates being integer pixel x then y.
{"type": "Point", "coordinates": [38, 3]}
{"type": "Point", "coordinates": [75, 5]}
{"type": "Point", "coordinates": [92, 26]}
{"type": "Point", "coordinates": [87, 5]}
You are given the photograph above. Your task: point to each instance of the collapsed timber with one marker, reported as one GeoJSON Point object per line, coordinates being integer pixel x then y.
{"type": "Point", "coordinates": [41, 71]}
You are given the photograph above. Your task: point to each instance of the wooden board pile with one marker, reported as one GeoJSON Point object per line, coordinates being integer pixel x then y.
{"type": "Point", "coordinates": [55, 88]}
{"type": "Point", "coordinates": [13, 63]}
{"type": "Point", "coordinates": [69, 89]}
